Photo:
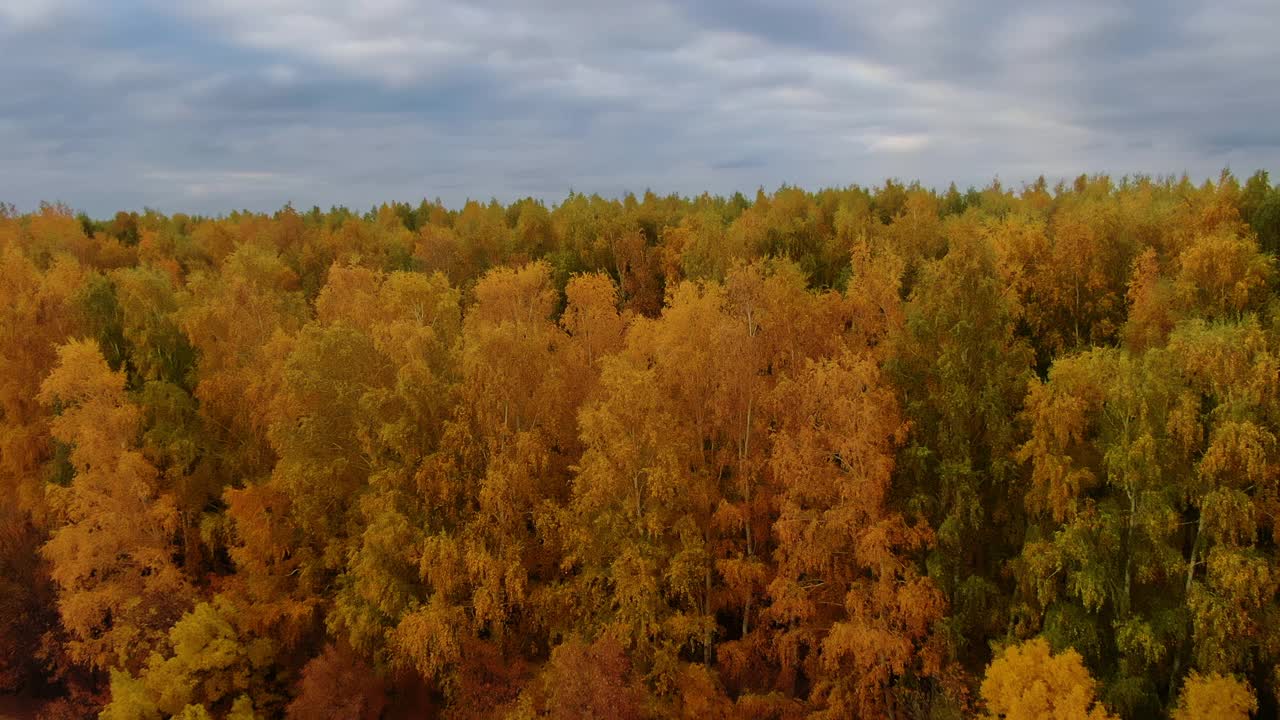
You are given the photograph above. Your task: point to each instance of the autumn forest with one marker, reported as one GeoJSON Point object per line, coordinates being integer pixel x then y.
{"type": "Point", "coordinates": [1010, 452]}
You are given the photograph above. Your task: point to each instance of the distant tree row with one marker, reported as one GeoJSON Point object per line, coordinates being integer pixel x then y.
{"type": "Point", "coordinates": [852, 453]}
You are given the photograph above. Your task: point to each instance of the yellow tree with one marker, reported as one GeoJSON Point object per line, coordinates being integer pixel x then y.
{"type": "Point", "coordinates": [595, 330]}
{"type": "Point", "coordinates": [119, 588]}
{"type": "Point", "coordinates": [857, 614]}
{"type": "Point", "coordinates": [1215, 697]}
{"type": "Point", "coordinates": [1067, 275]}
{"type": "Point", "coordinates": [648, 484]}
{"type": "Point", "coordinates": [1028, 682]}
{"type": "Point", "coordinates": [161, 362]}
{"type": "Point", "coordinates": [438, 249]}
{"type": "Point", "coordinates": [874, 298]}
{"type": "Point", "coordinates": [671, 516]}
{"type": "Point", "coordinates": [35, 318]}
{"type": "Point", "coordinates": [148, 304]}
{"type": "Point", "coordinates": [1228, 582]}
{"type": "Point", "coordinates": [483, 235]}
{"type": "Point", "coordinates": [413, 322]}
{"type": "Point", "coordinates": [1221, 275]}
{"type": "Point", "coordinates": [517, 412]}
{"type": "Point", "coordinates": [316, 432]}
{"type": "Point", "coordinates": [700, 248]}
{"type": "Point", "coordinates": [1152, 310]}
{"type": "Point", "coordinates": [238, 318]}
{"type": "Point", "coordinates": [362, 394]}
{"type": "Point", "coordinates": [490, 492]}
{"type": "Point", "coordinates": [1084, 276]}
{"type": "Point", "coordinates": [638, 264]}
{"type": "Point", "coordinates": [770, 326]}
{"type": "Point", "coordinates": [914, 233]}
{"type": "Point", "coordinates": [210, 664]}
{"type": "Point", "coordinates": [36, 315]}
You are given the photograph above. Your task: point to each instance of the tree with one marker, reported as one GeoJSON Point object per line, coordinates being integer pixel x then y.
{"type": "Point", "coordinates": [846, 589]}
{"type": "Point", "coordinates": [239, 320]}
{"type": "Point", "coordinates": [148, 304]}
{"type": "Point", "coordinates": [1151, 468]}
{"type": "Point", "coordinates": [413, 323]}
{"type": "Point", "coordinates": [337, 685]}
{"type": "Point", "coordinates": [1232, 369]}
{"type": "Point", "coordinates": [800, 453]}
{"type": "Point", "coordinates": [484, 496]}
{"type": "Point", "coordinates": [700, 249]}
{"type": "Point", "coordinates": [209, 665]}
{"type": "Point", "coordinates": [961, 370]}
{"type": "Point", "coordinates": [637, 265]}
{"type": "Point", "coordinates": [1109, 441]}
{"type": "Point", "coordinates": [914, 233]}
{"type": "Point", "coordinates": [1264, 215]}
{"type": "Point", "coordinates": [583, 681]}
{"type": "Point", "coordinates": [1027, 681]}
{"type": "Point", "coordinates": [1206, 697]}
{"type": "Point", "coordinates": [119, 588]}
{"type": "Point", "coordinates": [519, 418]}
{"type": "Point", "coordinates": [35, 317]}
{"type": "Point", "coordinates": [1221, 275]}
{"type": "Point", "coordinates": [1152, 312]}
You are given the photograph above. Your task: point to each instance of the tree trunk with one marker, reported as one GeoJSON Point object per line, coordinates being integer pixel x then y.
{"type": "Point", "coordinates": [1186, 592]}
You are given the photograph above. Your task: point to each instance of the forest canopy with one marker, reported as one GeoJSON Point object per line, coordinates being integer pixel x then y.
{"type": "Point", "coordinates": [858, 452]}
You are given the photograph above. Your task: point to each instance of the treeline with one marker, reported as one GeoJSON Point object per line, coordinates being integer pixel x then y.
{"type": "Point", "coordinates": [852, 453]}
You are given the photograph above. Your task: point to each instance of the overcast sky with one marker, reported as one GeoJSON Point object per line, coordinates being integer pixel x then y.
{"type": "Point", "coordinates": [110, 104]}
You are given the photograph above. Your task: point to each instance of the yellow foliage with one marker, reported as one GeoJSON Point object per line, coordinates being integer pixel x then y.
{"type": "Point", "coordinates": [1215, 697]}
{"type": "Point", "coordinates": [1027, 682]}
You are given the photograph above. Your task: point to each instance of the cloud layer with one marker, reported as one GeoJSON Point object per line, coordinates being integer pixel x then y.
{"type": "Point", "coordinates": [251, 103]}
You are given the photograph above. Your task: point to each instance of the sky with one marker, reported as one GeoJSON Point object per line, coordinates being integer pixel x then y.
{"type": "Point", "coordinates": [220, 105]}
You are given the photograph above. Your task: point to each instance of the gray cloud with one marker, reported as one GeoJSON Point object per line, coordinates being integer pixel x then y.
{"type": "Point", "coordinates": [251, 103]}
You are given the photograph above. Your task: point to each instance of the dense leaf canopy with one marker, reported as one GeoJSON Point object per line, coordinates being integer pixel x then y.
{"type": "Point", "coordinates": [847, 453]}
